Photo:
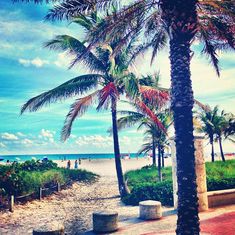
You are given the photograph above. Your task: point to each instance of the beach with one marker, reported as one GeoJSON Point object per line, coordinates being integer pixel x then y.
{"type": "Point", "coordinates": [74, 206]}
{"type": "Point", "coordinates": [106, 167]}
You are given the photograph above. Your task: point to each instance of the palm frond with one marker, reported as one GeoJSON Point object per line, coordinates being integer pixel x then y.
{"type": "Point", "coordinates": [147, 111]}
{"type": "Point", "coordinates": [106, 95]}
{"type": "Point", "coordinates": [75, 86]}
{"type": "Point", "coordinates": [159, 41]}
{"type": "Point", "coordinates": [36, 1]}
{"type": "Point", "coordinates": [69, 9]}
{"type": "Point", "coordinates": [145, 148]}
{"type": "Point", "coordinates": [77, 110]}
{"type": "Point", "coordinates": [210, 50]}
{"type": "Point", "coordinates": [129, 121]}
{"type": "Point", "coordinates": [81, 53]}
{"type": "Point", "coordinates": [155, 95]}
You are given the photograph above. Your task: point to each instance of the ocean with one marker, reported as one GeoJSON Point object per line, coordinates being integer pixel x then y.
{"type": "Point", "coordinates": [61, 156]}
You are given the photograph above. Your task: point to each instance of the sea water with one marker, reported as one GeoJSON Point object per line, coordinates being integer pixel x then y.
{"type": "Point", "coordinates": [62, 156]}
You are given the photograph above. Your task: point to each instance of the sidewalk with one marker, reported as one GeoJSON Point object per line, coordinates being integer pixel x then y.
{"type": "Point", "coordinates": [215, 221]}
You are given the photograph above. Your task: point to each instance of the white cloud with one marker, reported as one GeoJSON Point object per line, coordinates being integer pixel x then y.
{"type": "Point", "coordinates": [95, 140]}
{"type": "Point", "coordinates": [37, 62]}
{"type": "Point", "coordinates": [73, 136]}
{"type": "Point", "coordinates": [62, 60]}
{"type": "Point", "coordinates": [8, 136]}
{"type": "Point", "coordinates": [2, 145]}
{"type": "Point", "coordinates": [20, 134]}
{"type": "Point", "coordinates": [27, 142]}
{"type": "Point", "coordinates": [47, 133]}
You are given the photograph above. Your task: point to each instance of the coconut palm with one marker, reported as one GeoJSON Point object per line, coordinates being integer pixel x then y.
{"type": "Point", "coordinates": [214, 125]}
{"type": "Point", "coordinates": [221, 123]}
{"type": "Point", "coordinates": [156, 98]}
{"type": "Point", "coordinates": [207, 118]}
{"type": "Point", "coordinates": [229, 132]}
{"type": "Point", "coordinates": [102, 86]}
{"type": "Point", "coordinates": [182, 22]}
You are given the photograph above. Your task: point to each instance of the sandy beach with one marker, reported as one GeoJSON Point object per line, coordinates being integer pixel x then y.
{"type": "Point", "coordinates": [106, 167]}
{"type": "Point", "coordinates": [74, 206]}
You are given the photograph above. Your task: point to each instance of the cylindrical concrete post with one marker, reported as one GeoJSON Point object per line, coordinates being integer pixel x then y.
{"type": "Point", "coordinates": [105, 221]}
{"type": "Point", "coordinates": [201, 174]}
{"type": "Point", "coordinates": [52, 228]}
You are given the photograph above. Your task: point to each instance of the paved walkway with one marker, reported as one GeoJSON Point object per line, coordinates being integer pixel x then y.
{"type": "Point", "coordinates": [216, 221]}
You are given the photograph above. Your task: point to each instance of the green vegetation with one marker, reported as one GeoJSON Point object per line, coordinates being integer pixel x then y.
{"type": "Point", "coordinates": [25, 178]}
{"type": "Point", "coordinates": [144, 183]}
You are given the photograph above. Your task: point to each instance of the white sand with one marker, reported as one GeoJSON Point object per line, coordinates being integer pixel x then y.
{"type": "Point", "coordinates": [106, 167]}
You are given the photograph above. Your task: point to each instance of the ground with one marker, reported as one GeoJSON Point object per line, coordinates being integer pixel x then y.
{"type": "Point", "coordinates": [73, 207]}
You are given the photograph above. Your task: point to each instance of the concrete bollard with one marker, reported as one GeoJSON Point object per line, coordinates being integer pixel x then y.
{"type": "Point", "coordinates": [150, 210]}
{"type": "Point", "coordinates": [53, 228]}
{"type": "Point", "coordinates": [12, 201]}
{"type": "Point", "coordinates": [105, 221]}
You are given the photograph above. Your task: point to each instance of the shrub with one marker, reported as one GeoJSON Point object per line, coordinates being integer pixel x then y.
{"type": "Point", "coordinates": [32, 165]}
{"type": "Point", "coordinates": [161, 191]}
{"type": "Point", "coordinates": [25, 178]}
{"type": "Point", "coordinates": [144, 183]}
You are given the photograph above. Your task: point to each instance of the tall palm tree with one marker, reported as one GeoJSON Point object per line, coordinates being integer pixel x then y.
{"type": "Point", "coordinates": [156, 98]}
{"type": "Point", "coordinates": [182, 22]}
{"type": "Point", "coordinates": [221, 123]}
{"type": "Point", "coordinates": [105, 83]}
{"type": "Point", "coordinates": [214, 125]}
{"type": "Point", "coordinates": [207, 117]}
{"type": "Point", "coordinates": [229, 132]}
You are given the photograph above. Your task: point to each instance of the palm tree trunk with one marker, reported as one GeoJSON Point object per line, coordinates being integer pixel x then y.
{"type": "Point", "coordinates": [154, 153]}
{"type": "Point", "coordinates": [163, 160]}
{"type": "Point", "coordinates": [212, 149]}
{"type": "Point", "coordinates": [221, 149]}
{"type": "Point", "coordinates": [123, 190]}
{"type": "Point", "coordinates": [181, 18]}
{"type": "Point", "coordinates": [159, 164]}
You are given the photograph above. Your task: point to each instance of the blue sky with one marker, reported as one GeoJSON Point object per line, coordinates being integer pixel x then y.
{"type": "Point", "coordinates": [27, 69]}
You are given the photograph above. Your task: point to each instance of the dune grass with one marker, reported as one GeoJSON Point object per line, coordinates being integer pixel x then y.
{"type": "Point", "coordinates": [144, 182]}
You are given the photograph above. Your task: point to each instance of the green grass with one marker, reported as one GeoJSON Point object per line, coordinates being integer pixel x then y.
{"type": "Point", "coordinates": [144, 182]}
{"type": "Point", "coordinates": [25, 178]}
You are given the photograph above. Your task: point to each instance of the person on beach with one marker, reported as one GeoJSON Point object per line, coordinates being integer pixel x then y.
{"type": "Point", "coordinates": [79, 160]}
{"type": "Point", "coordinates": [68, 164]}
{"type": "Point", "coordinates": [76, 164]}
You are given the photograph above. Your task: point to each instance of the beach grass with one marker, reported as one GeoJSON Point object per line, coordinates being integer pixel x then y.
{"type": "Point", "coordinates": [144, 183]}
{"type": "Point", "coordinates": [24, 178]}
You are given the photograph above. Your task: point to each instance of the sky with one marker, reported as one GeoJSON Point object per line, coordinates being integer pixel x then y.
{"type": "Point", "coordinates": [28, 69]}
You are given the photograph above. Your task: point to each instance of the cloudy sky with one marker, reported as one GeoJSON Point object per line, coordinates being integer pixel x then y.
{"type": "Point", "coordinates": [27, 69]}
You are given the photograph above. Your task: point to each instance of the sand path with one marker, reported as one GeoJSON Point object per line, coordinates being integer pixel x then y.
{"type": "Point", "coordinates": [73, 207]}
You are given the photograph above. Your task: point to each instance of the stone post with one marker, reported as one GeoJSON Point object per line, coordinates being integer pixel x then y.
{"type": "Point", "coordinates": [200, 173]}
{"type": "Point", "coordinates": [174, 172]}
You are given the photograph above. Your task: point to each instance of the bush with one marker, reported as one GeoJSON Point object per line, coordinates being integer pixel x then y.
{"type": "Point", "coordinates": [20, 179]}
{"type": "Point", "coordinates": [32, 165]}
{"type": "Point", "coordinates": [161, 191]}
{"type": "Point", "coordinates": [144, 183]}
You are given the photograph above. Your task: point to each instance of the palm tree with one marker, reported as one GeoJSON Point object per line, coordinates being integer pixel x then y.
{"type": "Point", "coordinates": [221, 123]}
{"type": "Point", "coordinates": [207, 117]}
{"type": "Point", "coordinates": [105, 83]}
{"type": "Point", "coordinates": [229, 132]}
{"type": "Point", "coordinates": [214, 125]}
{"type": "Point", "coordinates": [156, 99]}
{"type": "Point", "coordinates": [182, 22]}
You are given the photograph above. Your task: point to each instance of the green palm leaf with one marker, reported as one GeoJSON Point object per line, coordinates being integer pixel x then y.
{"type": "Point", "coordinates": [77, 110]}
{"type": "Point", "coordinates": [75, 86]}
{"type": "Point", "coordinates": [81, 53]}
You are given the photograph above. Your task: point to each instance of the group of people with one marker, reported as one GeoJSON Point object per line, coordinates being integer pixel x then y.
{"type": "Point", "coordinates": [76, 163]}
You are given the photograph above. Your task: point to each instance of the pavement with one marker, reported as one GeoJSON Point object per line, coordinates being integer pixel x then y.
{"type": "Point", "coordinates": [215, 221]}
